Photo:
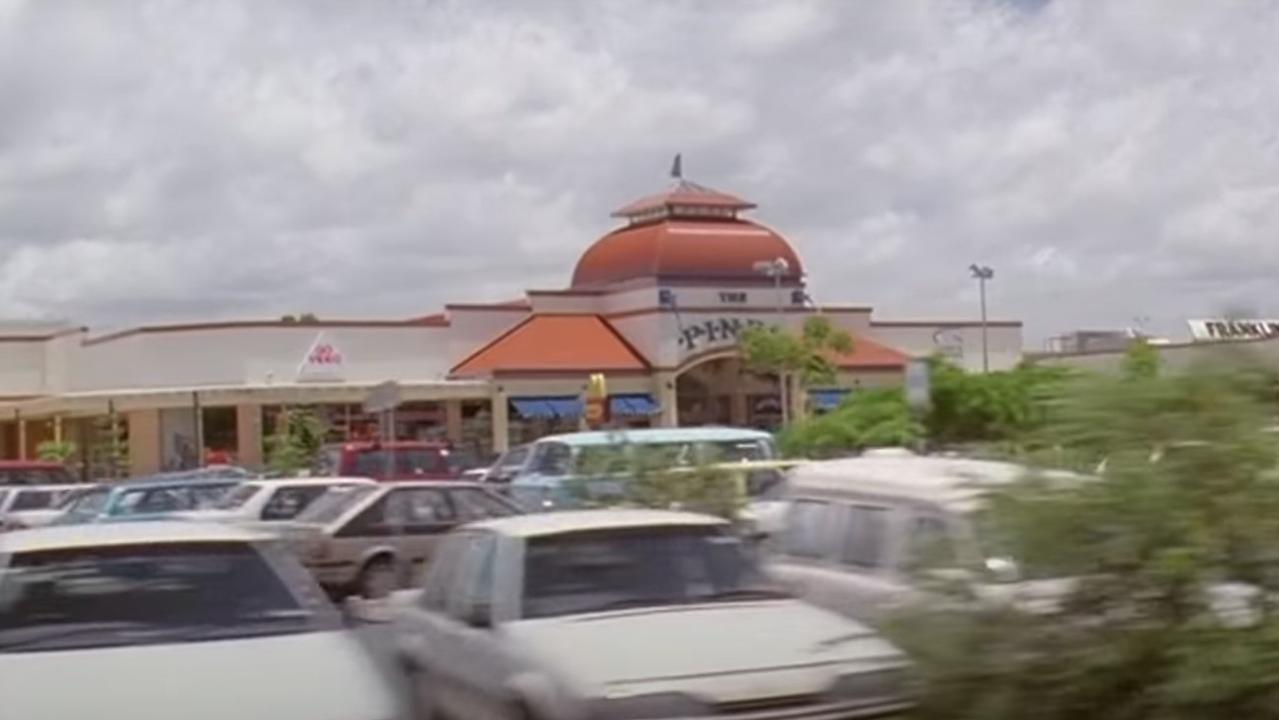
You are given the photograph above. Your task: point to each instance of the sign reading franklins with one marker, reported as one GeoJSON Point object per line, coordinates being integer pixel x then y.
{"type": "Point", "coordinates": [713, 332]}
{"type": "Point", "coordinates": [1253, 329]}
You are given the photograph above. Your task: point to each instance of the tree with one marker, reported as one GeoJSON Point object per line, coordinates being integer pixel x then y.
{"type": "Point", "coordinates": [56, 450]}
{"type": "Point", "coordinates": [869, 418]}
{"type": "Point", "coordinates": [1148, 543]}
{"type": "Point", "coordinates": [1005, 406]}
{"type": "Point", "coordinates": [1141, 360]}
{"type": "Point", "coordinates": [296, 443]}
{"type": "Point", "coordinates": [658, 477]}
{"type": "Point", "coordinates": [807, 357]}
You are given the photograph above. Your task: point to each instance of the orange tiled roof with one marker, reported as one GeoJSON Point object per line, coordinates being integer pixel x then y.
{"type": "Point", "coordinates": [554, 343]}
{"type": "Point", "coordinates": [684, 248]}
{"type": "Point", "coordinates": [870, 354]}
{"type": "Point", "coordinates": [684, 193]}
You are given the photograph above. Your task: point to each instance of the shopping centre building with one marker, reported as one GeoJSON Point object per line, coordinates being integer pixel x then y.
{"type": "Point", "coordinates": [656, 305]}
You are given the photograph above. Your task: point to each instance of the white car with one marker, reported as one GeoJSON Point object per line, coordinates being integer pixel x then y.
{"type": "Point", "coordinates": [271, 500]}
{"type": "Point", "coordinates": [24, 506]}
{"type": "Point", "coordinates": [160, 620]}
{"type": "Point", "coordinates": [629, 614]}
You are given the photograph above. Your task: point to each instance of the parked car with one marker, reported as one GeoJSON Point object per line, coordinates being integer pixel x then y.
{"type": "Point", "coordinates": [145, 499]}
{"type": "Point", "coordinates": [507, 466]}
{"type": "Point", "coordinates": [24, 506]}
{"type": "Point", "coordinates": [392, 460]}
{"type": "Point", "coordinates": [34, 472]}
{"type": "Point", "coordinates": [372, 539]}
{"type": "Point", "coordinates": [270, 500]}
{"type": "Point", "coordinates": [857, 531]}
{"type": "Point", "coordinates": [173, 620]}
{"type": "Point", "coordinates": [629, 614]}
{"type": "Point", "coordinates": [573, 469]}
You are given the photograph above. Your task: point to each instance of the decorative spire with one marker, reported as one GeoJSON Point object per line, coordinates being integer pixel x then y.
{"type": "Point", "coordinates": [677, 167]}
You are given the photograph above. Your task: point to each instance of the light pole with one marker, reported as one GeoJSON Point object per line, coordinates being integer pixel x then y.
{"type": "Point", "coordinates": [776, 269]}
{"type": "Point", "coordinates": [983, 273]}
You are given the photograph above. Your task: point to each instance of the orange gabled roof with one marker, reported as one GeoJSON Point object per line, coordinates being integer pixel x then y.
{"type": "Point", "coordinates": [870, 354]}
{"type": "Point", "coordinates": [555, 343]}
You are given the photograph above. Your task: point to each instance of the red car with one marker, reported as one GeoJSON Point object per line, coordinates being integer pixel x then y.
{"type": "Point", "coordinates": [397, 460]}
{"type": "Point", "coordinates": [34, 472]}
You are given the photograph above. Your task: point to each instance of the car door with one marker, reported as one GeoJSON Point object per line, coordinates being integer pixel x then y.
{"type": "Point", "coordinates": [478, 659]}
{"type": "Point", "coordinates": [867, 582]}
{"type": "Point", "coordinates": [427, 514]}
{"type": "Point", "coordinates": [427, 636]}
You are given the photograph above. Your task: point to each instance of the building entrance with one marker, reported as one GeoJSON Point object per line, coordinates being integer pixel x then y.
{"type": "Point", "coordinates": [720, 391]}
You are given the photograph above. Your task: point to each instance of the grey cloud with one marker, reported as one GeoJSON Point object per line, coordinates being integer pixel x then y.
{"type": "Point", "coordinates": [173, 159]}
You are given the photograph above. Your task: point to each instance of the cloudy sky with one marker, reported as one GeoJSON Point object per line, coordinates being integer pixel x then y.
{"type": "Point", "coordinates": [175, 160]}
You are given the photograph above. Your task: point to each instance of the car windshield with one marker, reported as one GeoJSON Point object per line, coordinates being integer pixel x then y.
{"type": "Point", "coordinates": [331, 505]}
{"type": "Point", "coordinates": [236, 497]}
{"type": "Point", "coordinates": [607, 570]}
{"type": "Point", "coordinates": [172, 498]}
{"type": "Point", "coordinates": [137, 594]}
{"type": "Point", "coordinates": [33, 500]}
{"type": "Point", "coordinates": [407, 461]}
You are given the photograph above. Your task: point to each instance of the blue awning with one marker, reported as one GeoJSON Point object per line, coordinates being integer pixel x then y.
{"type": "Point", "coordinates": [827, 398]}
{"type": "Point", "coordinates": [535, 408]}
{"type": "Point", "coordinates": [635, 404]}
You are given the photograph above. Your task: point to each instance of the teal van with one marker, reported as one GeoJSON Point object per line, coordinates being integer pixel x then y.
{"type": "Point", "coordinates": [569, 470]}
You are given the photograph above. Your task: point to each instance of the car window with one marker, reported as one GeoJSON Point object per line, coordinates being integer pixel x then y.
{"type": "Point", "coordinates": [119, 595]}
{"type": "Point", "coordinates": [478, 505]}
{"type": "Point", "coordinates": [287, 502]}
{"type": "Point", "coordinates": [864, 532]}
{"type": "Point", "coordinates": [35, 476]}
{"type": "Point", "coordinates": [90, 503]}
{"type": "Point", "coordinates": [599, 570]}
{"type": "Point", "coordinates": [3, 494]}
{"type": "Point", "coordinates": [443, 568]}
{"type": "Point", "coordinates": [473, 583]}
{"type": "Point", "coordinates": [237, 497]}
{"type": "Point", "coordinates": [405, 461]}
{"type": "Point", "coordinates": [930, 543]}
{"type": "Point", "coordinates": [32, 500]}
{"type": "Point", "coordinates": [514, 458]}
{"type": "Point", "coordinates": [373, 520]}
{"type": "Point", "coordinates": [420, 506]}
{"type": "Point", "coordinates": [807, 532]}
{"type": "Point", "coordinates": [334, 503]}
{"type": "Point", "coordinates": [553, 459]}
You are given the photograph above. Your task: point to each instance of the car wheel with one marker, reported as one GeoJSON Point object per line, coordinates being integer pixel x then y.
{"type": "Point", "coordinates": [378, 578]}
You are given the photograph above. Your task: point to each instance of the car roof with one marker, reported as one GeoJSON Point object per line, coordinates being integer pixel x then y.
{"type": "Point", "coordinates": [360, 445]}
{"type": "Point", "coordinates": [178, 483]}
{"type": "Point", "coordinates": [567, 521]}
{"type": "Point", "coordinates": [98, 534]}
{"type": "Point", "coordinates": [392, 484]}
{"type": "Point", "coordinates": [658, 435]}
{"type": "Point", "coordinates": [955, 483]}
{"type": "Point", "coordinates": [311, 480]}
{"type": "Point", "coordinates": [47, 487]}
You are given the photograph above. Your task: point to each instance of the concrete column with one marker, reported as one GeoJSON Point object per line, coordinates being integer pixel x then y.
{"type": "Point", "coordinates": [667, 398]}
{"type": "Point", "coordinates": [144, 442]}
{"type": "Point", "coordinates": [501, 421]}
{"type": "Point", "coordinates": [22, 439]}
{"type": "Point", "coordinates": [248, 435]}
{"type": "Point", "coordinates": [453, 420]}
{"type": "Point", "coordinates": [57, 428]}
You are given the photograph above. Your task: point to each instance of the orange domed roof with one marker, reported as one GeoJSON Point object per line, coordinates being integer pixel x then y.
{"type": "Point", "coordinates": [690, 232]}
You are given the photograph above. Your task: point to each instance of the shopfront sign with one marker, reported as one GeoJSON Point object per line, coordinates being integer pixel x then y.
{"type": "Point", "coordinates": [1222, 329]}
{"type": "Point", "coordinates": [717, 331]}
{"type": "Point", "coordinates": [324, 362]}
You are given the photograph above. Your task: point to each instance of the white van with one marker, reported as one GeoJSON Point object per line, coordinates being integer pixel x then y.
{"type": "Point", "coordinates": [856, 530]}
